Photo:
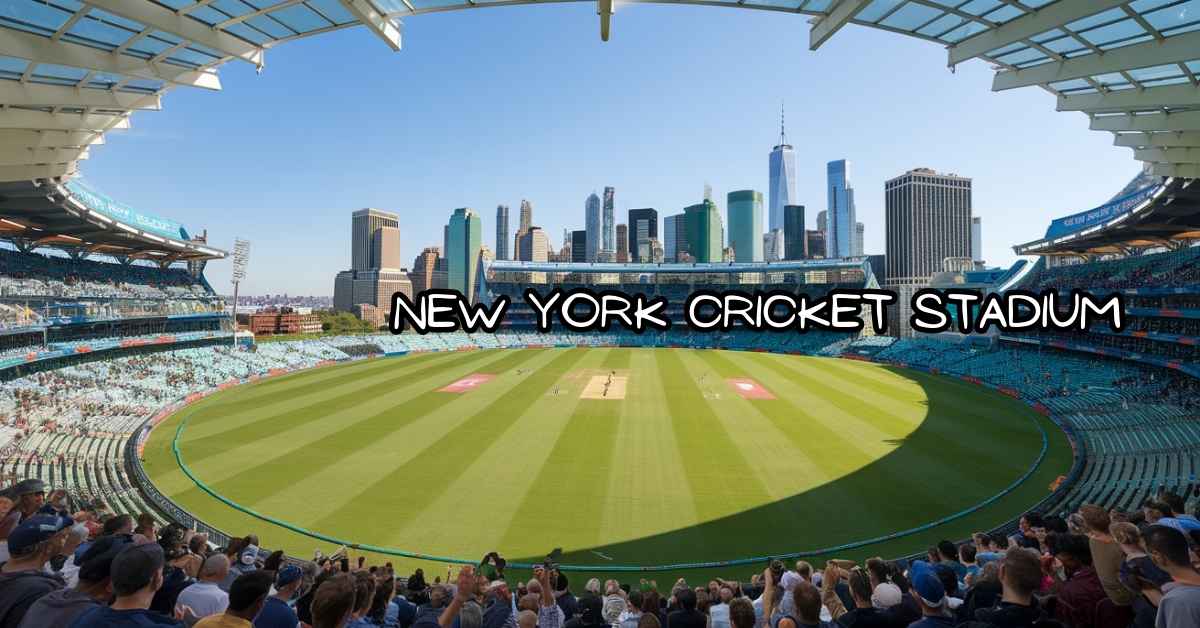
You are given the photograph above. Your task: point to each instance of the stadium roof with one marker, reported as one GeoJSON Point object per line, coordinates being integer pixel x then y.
{"type": "Point", "coordinates": [1159, 214]}
{"type": "Point", "coordinates": [71, 70]}
{"type": "Point", "coordinates": [680, 268]}
{"type": "Point", "coordinates": [74, 217]}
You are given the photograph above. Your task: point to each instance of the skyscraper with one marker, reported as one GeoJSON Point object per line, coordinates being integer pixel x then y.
{"type": "Point", "coordinates": [839, 232]}
{"type": "Point", "coordinates": [502, 232]}
{"type": "Point", "coordinates": [385, 248]}
{"type": "Point", "coordinates": [534, 246]}
{"type": "Point", "coordinates": [783, 178]}
{"type": "Point", "coordinates": [643, 227]}
{"type": "Point", "coordinates": [773, 245]}
{"type": "Point", "coordinates": [703, 228]}
{"type": "Point", "coordinates": [859, 231]}
{"type": "Point", "coordinates": [795, 239]}
{"type": "Point", "coordinates": [622, 243]}
{"type": "Point", "coordinates": [591, 224]}
{"type": "Point", "coordinates": [744, 209]}
{"type": "Point", "coordinates": [424, 272]}
{"type": "Point", "coordinates": [363, 224]}
{"type": "Point", "coordinates": [375, 273]}
{"type": "Point", "coordinates": [525, 220]}
{"type": "Point", "coordinates": [674, 237]}
{"type": "Point", "coordinates": [927, 220]}
{"type": "Point", "coordinates": [608, 221]}
{"type": "Point", "coordinates": [816, 244]}
{"type": "Point", "coordinates": [464, 237]}
{"type": "Point", "coordinates": [579, 246]}
{"type": "Point", "coordinates": [976, 239]}
{"type": "Point", "coordinates": [823, 221]}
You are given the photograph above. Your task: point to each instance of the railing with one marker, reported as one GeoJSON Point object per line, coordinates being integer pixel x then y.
{"type": "Point", "coordinates": [172, 511]}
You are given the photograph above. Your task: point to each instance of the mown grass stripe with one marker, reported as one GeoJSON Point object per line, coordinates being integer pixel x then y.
{"type": "Point", "coordinates": [270, 424]}
{"type": "Point", "coordinates": [936, 437]}
{"type": "Point", "coordinates": [583, 451]}
{"type": "Point", "coordinates": [426, 475]}
{"type": "Point", "coordinates": [219, 417]}
{"type": "Point", "coordinates": [315, 381]}
{"type": "Point", "coordinates": [717, 472]}
{"type": "Point", "coordinates": [353, 437]}
{"type": "Point", "coordinates": [836, 455]}
{"type": "Point", "coordinates": [854, 395]}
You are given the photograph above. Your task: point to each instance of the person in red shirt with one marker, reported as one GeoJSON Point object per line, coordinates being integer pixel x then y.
{"type": "Point", "coordinates": [1077, 587]}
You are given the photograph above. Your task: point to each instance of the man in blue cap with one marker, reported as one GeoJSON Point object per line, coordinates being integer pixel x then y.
{"type": "Point", "coordinates": [277, 612]}
{"type": "Point", "coordinates": [930, 595]}
{"type": "Point", "coordinates": [23, 579]}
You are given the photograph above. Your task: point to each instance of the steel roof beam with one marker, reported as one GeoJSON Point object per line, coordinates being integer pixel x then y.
{"type": "Point", "coordinates": [375, 20]}
{"type": "Point", "coordinates": [41, 120]}
{"type": "Point", "coordinates": [38, 49]}
{"type": "Point", "coordinates": [40, 171]}
{"type": "Point", "coordinates": [1183, 95]}
{"type": "Point", "coordinates": [41, 156]}
{"type": "Point", "coordinates": [1026, 26]}
{"type": "Point", "coordinates": [22, 138]}
{"type": "Point", "coordinates": [40, 95]}
{"type": "Point", "coordinates": [1168, 155]}
{"type": "Point", "coordinates": [1178, 121]}
{"type": "Point", "coordinates": [1187, 171]}
{"type": "Point", "coordinates": [1185, 47]}
{"type": "Point", "coordinates": [164, 19]}
{"type": "Point", "coordinates": [838, 16]}
{"type": "Point", "coordinates": [1164, 140]}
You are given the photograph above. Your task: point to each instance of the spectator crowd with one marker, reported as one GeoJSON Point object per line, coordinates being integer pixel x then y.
{"type": "Point", "coordinates": [1093, 568]}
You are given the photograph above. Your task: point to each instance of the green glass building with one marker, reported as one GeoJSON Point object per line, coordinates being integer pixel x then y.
{"type": "Point", "coordinates": [704, 230]}
{"type": "Point", "coordinates": [464, 237]}
{"type": "Point", "coordinates": [744, 213]}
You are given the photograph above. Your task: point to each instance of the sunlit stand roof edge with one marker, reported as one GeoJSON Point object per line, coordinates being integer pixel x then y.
{"type": "Point", "coordinates": [72, 70]}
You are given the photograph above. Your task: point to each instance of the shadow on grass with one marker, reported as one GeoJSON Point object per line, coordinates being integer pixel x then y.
{"type": "Point", "coordinates": [925, 478]}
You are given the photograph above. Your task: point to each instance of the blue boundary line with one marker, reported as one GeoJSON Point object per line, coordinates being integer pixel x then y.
{"type": "Point", "coordinates": [621, 568]}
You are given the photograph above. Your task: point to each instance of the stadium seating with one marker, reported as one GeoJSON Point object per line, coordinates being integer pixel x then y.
{"type": "Point", "coordinates": [32, 274]}
{"type": "Point", "coordinates": [1138, 425]}
{"type": "Point", "coordinates": [1170, 268]}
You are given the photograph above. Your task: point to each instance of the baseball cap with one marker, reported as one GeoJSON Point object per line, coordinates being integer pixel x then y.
{"type": "Point", "coordinates": [790, 579]}
{"type": "Point", "coordinates": [288, 575]}
{"type": "Point", "coordinates": [34, 530]}
{"type": "Point", "coordinates": [95, 564]}
{"type": "Point", "coordinates": [927, 584]}
{"type": "Point", "coordinates": [886, 595]}
{"type": "Point", "coordinates": [251, 552]}
{"type": "Point", "coordinates": [134, 567]}
{"type": "Point", "coordinates": [25, 487]}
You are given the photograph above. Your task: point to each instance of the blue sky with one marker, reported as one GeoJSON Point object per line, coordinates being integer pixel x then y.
{"type": "Point", "coordinates": [498, 104]}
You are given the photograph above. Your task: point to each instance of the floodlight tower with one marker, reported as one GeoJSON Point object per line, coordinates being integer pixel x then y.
{"type": "Point", "coordinates": [241, 257]}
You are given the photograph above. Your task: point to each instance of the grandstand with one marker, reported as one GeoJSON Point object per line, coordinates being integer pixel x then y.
{"type": "Point", "coordinates": [82, 274]}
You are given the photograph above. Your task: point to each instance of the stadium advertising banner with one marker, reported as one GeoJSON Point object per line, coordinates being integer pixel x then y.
{"type": "Point", "coordinates": [1091, 217]}
{"type": "Point", "coordinates": [119, 211]}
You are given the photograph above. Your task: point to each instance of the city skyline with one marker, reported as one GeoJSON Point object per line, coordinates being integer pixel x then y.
{"type": "Point", "coordinates": [556, 150]}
